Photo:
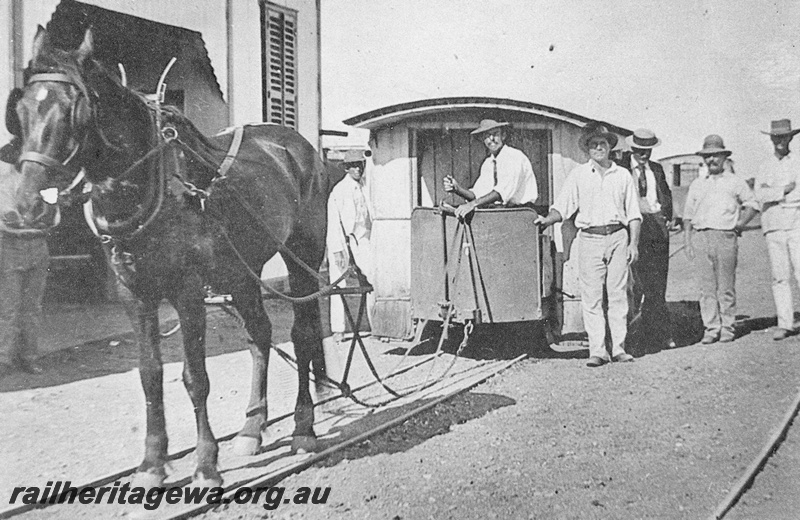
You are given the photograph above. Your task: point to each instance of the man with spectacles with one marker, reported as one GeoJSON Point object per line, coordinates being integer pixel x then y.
{"type": "Point", "coordinates": [650, 272]}
{"type": "Point", "coordinates": [506, 174]}
{"type": "Point", "coordinates": [717, 209]}
{"type": "Point", "coordinates": [602, 197]}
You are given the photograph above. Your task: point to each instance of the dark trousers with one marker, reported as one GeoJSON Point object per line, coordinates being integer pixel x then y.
{"type": "Point", "coordinates": [650, 277]}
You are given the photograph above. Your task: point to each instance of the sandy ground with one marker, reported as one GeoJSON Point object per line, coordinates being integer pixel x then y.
{"type": "Point", "coordinates": [664, 437]}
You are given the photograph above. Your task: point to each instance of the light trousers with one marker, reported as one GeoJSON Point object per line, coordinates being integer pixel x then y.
{"type": "Point", "coordinates": [716, 272]}
{"type": "Point", "coordinates": [783, 246]}
{"type": "Point", "coordinates": [603, 262]}
{"type": "Point", "coordinates": [363, 257]}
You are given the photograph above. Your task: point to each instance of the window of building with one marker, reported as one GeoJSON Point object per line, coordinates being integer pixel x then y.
{"type": "Point", "coordinates": [279, 64]}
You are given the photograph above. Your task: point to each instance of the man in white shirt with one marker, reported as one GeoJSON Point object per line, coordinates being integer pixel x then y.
{"type": "Point", "coordinates": [779, 195]}
{"type": "Point", "coordinates": [717, 209]}
{"type": "Point", "coordinates": [606, 202]}
{"type": "Point", "coordinates": [506, 175]}
{"type": "Point", "coordinates": [349, 221]}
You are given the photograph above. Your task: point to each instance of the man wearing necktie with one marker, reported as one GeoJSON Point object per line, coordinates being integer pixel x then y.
{"type": "Point", "coordinates": [649, 280]}
{"type": "Point", "coordinates": [506, 175]}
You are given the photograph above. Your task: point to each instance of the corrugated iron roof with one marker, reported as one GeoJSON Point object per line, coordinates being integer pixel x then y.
{"type": "Point", "coordinates": [395, 113]}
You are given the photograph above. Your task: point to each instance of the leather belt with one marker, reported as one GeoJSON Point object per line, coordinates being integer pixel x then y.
{"type": "Point", "coordinates": [603, 230]}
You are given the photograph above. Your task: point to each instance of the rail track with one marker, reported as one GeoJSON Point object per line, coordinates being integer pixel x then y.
{"type": "Point", "coordinates": [739, 490]}
{"type": "Point", "coordinates": [340, 423]}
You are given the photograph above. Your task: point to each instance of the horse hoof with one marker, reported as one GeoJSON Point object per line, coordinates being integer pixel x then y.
{"type": "Point", "coordinates": [246, 446]}
{"type": "Point", "coordinates": [303, 444]}
{"type": "Point", "coordinates": [147, 479]}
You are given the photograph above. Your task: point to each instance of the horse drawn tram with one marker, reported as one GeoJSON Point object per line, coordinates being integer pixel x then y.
{"type": "Point", "coordinates": [178, 211]}
{"type": "Point", "coordinates": [505, 270]}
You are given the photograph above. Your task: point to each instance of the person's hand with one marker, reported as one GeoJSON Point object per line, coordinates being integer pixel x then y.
{"type": "Point", "coordinates": [690, 254]}
{"type": "Point", "coordinates": [340, 257]}
{"type": "Point", "coordinates": [464, 210]}
{"type": "Point", "coordinates": [541, 220]}
{"type": "Point", "coordinates": [633, 253]}
{"type": "Point", "coordinates": [450, 184]}
{"type": "Point", "coordinates": [789, 188]}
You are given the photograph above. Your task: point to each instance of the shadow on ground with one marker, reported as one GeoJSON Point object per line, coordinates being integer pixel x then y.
{"type": "Point", "coordinates": [437, 421]}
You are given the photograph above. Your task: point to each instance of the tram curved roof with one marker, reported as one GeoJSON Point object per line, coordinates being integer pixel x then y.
{"type": "Point", "coordinates": [393, 113]}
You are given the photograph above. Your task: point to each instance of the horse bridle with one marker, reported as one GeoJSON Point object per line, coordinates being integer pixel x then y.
{"type": "Point", "coordinates": [45, 160]}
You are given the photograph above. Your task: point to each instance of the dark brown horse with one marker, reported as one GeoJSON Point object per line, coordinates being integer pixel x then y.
{"type": "Point", "coordinates": [167, 240]}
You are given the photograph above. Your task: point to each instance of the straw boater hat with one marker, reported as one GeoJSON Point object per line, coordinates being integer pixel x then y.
{"type": "Point", "coordinates": [713, 145]}
{"type": "Point", "coordinates": [595, 129]}
{"type": "Point", "coordinates": [486, 125]}
{"type": "Point", "coordinates": [643, 138]}
{"type": "Point", "coordinates": [781, 127]}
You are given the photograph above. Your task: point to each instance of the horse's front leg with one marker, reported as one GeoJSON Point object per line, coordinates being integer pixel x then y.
{"type": "Point", "coordinates": [144, 318]}
{"type": "Point", "coordinates": [192, 314]}
{"type": "Point", "coordinates": [247, 300]}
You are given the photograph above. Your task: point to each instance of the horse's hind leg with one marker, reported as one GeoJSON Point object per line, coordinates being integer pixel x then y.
{"type": "Point", "coordinates": [192, 314]}
{"type": "Point", "coordinates": [247, 300]}
{"type": "Point", "coordinates": [307, 339]}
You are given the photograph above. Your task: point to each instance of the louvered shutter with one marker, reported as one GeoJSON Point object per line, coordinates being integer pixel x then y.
{"type": "Point", "coordinates": [280, 67]}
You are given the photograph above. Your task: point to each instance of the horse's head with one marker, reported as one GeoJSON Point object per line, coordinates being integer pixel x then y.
{"type": "Point", "coordinates": [51, 116]}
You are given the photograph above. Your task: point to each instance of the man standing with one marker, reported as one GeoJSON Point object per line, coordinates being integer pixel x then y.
{"type": "Point", "coordinates": [24, 260]}
{"type": "Point", "coordinates": [655, 204]}
{"type": "Point", "coordinates": [506, 174]}
{"type": "Point", "coordinates": [778, 193]}
{"type": "Point", "coordinates": [606, 202]}
{"type": "Point", "coordinates": [714, 213]}
{"type": "Point", "coordinates": [349, 223]}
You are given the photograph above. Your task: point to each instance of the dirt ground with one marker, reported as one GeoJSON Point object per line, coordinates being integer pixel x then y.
{"type": "Point", "coordinates": [663, 437]}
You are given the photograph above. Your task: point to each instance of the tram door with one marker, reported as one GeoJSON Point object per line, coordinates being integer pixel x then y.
{"type": "Point", "coordinates": [455, 152]}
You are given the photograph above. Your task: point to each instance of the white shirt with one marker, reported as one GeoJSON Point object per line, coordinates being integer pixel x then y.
{"type": "Point", "coordinates": [649, 203]}
{"type": "Point", "coordinates": [516, 183]}
{"type": "Point", "coordinates": [716, 201]}
{"type": "Point", "coordinates": [598, 198]}
{"type": "Point", "coordinates": [348, 208]}
{"type": "Point", "coordinates": [778, 211]}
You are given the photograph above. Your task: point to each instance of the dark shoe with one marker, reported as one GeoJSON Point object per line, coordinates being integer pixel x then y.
{"type": "Point", "coordinates": [27, 366]}
{"type": "Point", "coordinates": [708, 339]}
{"type": "Point", "coordinates": [623, 358]}
{"type": "Point", "coordinates": [595, 361]}
{"type": "Point", "coordinates": [780, 334]}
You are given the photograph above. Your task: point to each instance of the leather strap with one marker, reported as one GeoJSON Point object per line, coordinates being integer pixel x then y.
{"type": "Point", "coordinates": [236, 142]}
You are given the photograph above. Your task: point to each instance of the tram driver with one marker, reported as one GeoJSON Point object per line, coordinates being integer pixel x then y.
{"type": "Point", "coordinates": [506, 174]}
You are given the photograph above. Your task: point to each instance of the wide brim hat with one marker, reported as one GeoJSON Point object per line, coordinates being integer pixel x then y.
{"type": "Point", "coordinates": [486, 125]}
{"type": "Point", "coordinates": [643, 138]}
{"type": "Point", "coordinates": [595, 129]}
{"type": "Point", "coordinates": [713, 145]}
{"type": "Point", "coordinates": [781, 127]}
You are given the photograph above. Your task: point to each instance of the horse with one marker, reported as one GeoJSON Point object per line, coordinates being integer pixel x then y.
{"type": "Point", "coordinates": [172, 224]}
